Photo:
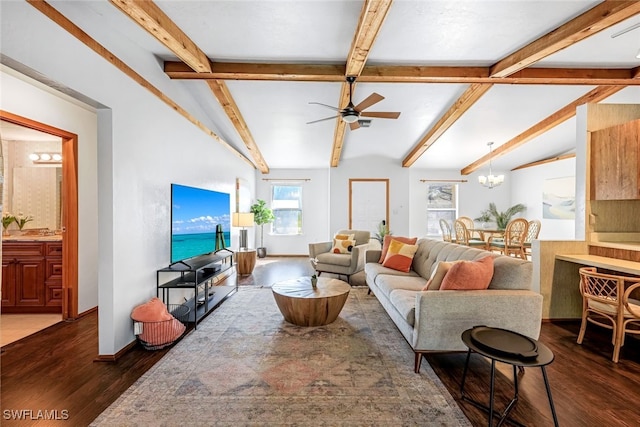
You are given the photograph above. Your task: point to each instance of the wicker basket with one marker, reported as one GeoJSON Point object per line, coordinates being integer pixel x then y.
{"type": "Point", "coordinates": [158, 335]}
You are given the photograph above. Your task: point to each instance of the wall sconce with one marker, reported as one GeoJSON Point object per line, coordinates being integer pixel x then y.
{"type": "Point", "coordinates": [46, 158]}
{"type": "Point", "coordinates": [242, 219]}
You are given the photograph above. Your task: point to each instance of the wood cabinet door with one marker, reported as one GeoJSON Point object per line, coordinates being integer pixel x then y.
{"type": "Point", "coordinates": [615, 171]}
{"type": "Point", "coordinates": [8, 283]}
{"type": "Point", "coordinates": [30, 282]}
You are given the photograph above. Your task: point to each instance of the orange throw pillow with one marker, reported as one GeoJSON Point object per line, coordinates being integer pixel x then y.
{"type": "Point", "coordinates": [387, 241]}
{"type": "Point", "coordinates": [469, 275]}
{"type": "Point", "coordinates": [152, 311]}
{"type": "Point", "coordinates": [399, 256]}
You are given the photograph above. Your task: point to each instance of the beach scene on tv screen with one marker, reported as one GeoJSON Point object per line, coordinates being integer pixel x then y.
{"type": "Point", "coordinates": [195, 213]}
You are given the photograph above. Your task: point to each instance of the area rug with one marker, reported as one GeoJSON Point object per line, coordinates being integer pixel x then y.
{"type": "Point", "coordinates": [245, 365]}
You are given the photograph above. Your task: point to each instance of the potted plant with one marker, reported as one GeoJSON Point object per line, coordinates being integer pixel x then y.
{"type": "Point", "coordinates": [503, 218]}
{"type": "Point", "coordinates": [383, 230]}
{"type": "Point", "coordinates": [262, 215]}
{"type": "Point", "coordinates": [484, 218]}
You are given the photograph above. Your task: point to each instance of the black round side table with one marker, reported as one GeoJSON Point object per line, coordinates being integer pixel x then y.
{"type": "Point", "coordinates": [508, 347]}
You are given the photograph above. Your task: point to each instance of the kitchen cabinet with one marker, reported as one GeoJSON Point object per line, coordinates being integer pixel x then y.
{"type": "Point", "coordinates": [615, 167]}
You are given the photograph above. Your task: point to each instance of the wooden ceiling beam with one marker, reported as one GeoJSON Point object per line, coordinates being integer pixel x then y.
{"type": "Point", "coordinates": [462, 104]}
{"type": "Point", "coordinates": [152, 19]}
{"type": "Point", "coordinates": [402, 74]}
{"type": "Point", "coordinates": [587, 24]}
{"type": "Point", "coordinates": [221, 92]}
{"type": "Point", "coordinates": [372, 16]}
{"type": "Point", "coordinates": [596, 19]}
{"type": "Point", "coordinates": [563, 114]}
{"type": "Point", "coordinates": [61, 20]}
{"type": "Point", "coordinates": [542, 162]}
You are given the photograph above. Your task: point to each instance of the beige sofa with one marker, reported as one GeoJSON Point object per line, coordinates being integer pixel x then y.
{"type": "Point", "coordinates": [433, 321]}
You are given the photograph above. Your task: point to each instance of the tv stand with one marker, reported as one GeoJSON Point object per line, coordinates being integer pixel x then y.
{"type": "Point", "coordinates": [204, 277]}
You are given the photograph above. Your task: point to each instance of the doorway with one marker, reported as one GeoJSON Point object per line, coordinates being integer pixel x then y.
{"type": "Point", "coordinates": [368, 203]}
{"type": "Point", "coordinates": [69, 209]}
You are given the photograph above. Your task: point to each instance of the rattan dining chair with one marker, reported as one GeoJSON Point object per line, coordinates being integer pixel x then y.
{"type": "Point", "coordinates": [464, 238]}
{"type": "Point", "coordinates": [606, 302]}
{"type": "Point", "coordinates": [445, 227]}
{"type": "Point", "coordinates": [532, 234]}
{"type": "Point", "coordinates": [468, 222]}
{"type": "Point", "coordinates": [512, 242]}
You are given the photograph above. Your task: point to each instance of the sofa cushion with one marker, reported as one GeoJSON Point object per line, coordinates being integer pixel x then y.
{"type": "Point", "coordinates": [435, 281]}
{"type": "Point", "coordinates": [469, 275]}
{"type": "Point", "coordinates": [388, 283]}
{"type": "Point", "coordinates": [399, 256]}
{"type": "Point", "coordinates": [387, 242]}
{"type": "Point", "coordinates": [334, 259]}
{"type": "Point", "coordinates": [342, 246]}
{"type": "Point", "coordinates": [405, 302]}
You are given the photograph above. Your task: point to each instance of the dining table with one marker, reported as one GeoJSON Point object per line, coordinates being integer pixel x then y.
{"type": "Point", "coordinates": [486, 233]}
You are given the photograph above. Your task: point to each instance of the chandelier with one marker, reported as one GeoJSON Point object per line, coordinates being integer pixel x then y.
{"type": "Point", "coordinates": [490, 180]}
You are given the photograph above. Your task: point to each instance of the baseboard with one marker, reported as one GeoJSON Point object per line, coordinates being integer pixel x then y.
{"type": "Point", "coordinates": [111, 358]}
{"type": "Point", "coordinates": [285, 256]}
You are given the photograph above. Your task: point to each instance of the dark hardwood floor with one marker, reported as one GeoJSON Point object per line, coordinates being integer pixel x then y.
{"type": "Point", "coordinates": [54, 370]}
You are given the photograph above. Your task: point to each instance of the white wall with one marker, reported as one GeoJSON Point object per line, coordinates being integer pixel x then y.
{"type": "Point", "coordinates": [143, 146]}
{"type": "Point", "coordinates": [527, 188]}
{"type": "Point", "coordinates": [315, 207]}
{"type": "Point", "coordinates": [326, 199]}
{"type": "Point", "coordinates": [24, 97]}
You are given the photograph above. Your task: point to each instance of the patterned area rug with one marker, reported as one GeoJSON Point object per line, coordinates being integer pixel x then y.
{"type": "Point", "coordinates": [245, 365]}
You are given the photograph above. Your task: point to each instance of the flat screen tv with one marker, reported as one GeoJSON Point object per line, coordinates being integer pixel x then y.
{"type": "Point", "coordinates": [195, 214]}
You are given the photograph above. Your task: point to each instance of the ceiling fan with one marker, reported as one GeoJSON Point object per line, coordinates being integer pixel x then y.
{"type": "Point", "coordinates": [351, 114]}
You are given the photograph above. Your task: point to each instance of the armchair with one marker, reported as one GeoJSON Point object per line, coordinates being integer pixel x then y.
{"type": "Point", "coordinates": [342, 264]}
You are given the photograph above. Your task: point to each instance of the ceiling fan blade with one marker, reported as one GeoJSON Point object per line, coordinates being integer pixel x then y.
{"type": "Point", "coordinates": [381, 114]}
{"type": "Point", "coordinates": [369, 101]}
{"type": "Point", "coordinates": [322, 120]}
{"type": "Point", "coordinates": [325, 105]}
{"type": "Point", "coordinates": [354, 125]}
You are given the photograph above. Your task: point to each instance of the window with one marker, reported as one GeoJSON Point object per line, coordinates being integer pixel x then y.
{"type": "Point", "coordinates": [442, 203]}
{"type": "Point", "coordinates": [286, 204]}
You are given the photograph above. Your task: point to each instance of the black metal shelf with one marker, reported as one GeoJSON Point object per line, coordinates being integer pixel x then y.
{"type": "Point", "coordinates": [197, 274]}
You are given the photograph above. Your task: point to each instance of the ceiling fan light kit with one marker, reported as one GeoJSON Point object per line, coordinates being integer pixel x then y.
{"type": "Point", "coordinates": [351, 113]}
{"type": "Point", "coordinates": [490, 180]}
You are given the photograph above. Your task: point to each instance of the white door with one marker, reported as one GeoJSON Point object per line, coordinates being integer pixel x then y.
{"type": "Point", "coordinates": [368, 204]}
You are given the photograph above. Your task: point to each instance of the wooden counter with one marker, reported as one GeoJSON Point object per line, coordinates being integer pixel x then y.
{"type": "Point", "coordinates": [614, 264]}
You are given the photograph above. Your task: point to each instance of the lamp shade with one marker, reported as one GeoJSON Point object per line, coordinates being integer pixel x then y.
{"type": "Point", "coordinates": [242, 219]}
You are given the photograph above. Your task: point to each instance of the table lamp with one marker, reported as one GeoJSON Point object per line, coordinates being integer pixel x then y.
{"type": "Point", "coordinates": [242, 219]}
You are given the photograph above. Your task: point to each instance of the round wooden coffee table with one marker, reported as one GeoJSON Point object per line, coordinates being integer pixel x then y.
{"type": "Point", "coordinates": [302, 305]}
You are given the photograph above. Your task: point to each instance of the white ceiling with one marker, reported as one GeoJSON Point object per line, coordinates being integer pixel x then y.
{"type": "Point", "coordinates": [435, 33]}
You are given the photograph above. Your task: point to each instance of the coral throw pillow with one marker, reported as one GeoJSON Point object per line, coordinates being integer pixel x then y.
{"type": "Point", "coordinates": [387, 242]}
{"type": "Point", "coordinates": [469, 275]}
{"type": "Point", "coordinates": [399, 256]}
{"type": "Point", "coordinates": [152, 311]}
{"type": "Point", "coordinates": [158, 325]}
{"type": "Point", "coordinates": [341, 246]}
{"type": "Point", "coordinates": [434, 282]}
